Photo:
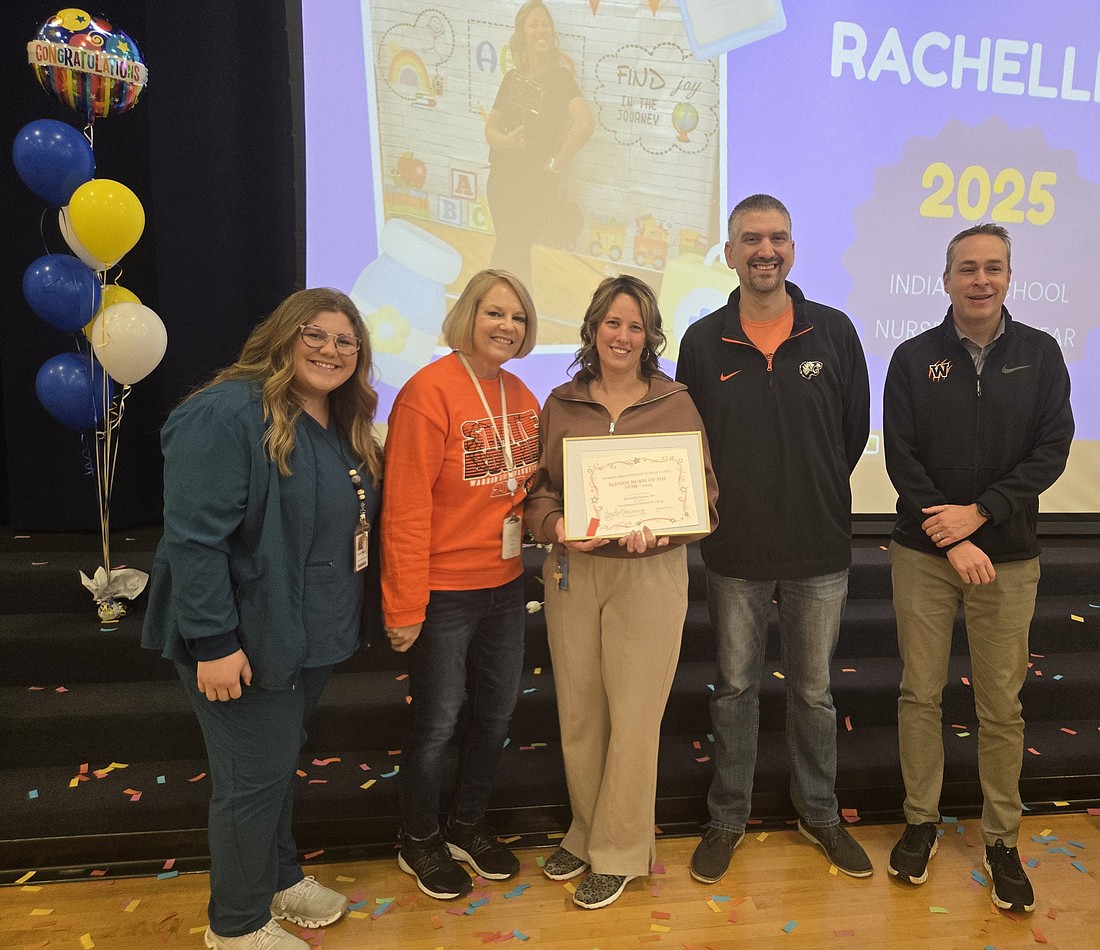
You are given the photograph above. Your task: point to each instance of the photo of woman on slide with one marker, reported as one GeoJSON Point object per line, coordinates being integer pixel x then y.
{"type": "Point", "coordinates": [539, 121]}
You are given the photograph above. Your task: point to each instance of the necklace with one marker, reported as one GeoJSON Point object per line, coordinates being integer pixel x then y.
{"type": "Point", "coordinates": [361, 537]}
{"type": "Point", "coordinates": [505, 441]}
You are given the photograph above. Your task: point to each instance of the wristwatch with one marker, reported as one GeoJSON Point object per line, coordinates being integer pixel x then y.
{"type": "Point", "coordinates": [983, 511]}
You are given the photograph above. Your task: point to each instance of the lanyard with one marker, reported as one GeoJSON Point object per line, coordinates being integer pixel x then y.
{"type": "Point", "coordinates": [361, 535]}
{"type": "Point", "coordinates": [505, 441]}
{"type": "Point", "coordinates": [353, 473]}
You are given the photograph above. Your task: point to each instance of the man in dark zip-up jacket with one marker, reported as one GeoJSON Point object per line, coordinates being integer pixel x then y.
{"type": "Point", "coordinates": [977, 423]}
{"type": "Point", "coordinates": [781, 385]}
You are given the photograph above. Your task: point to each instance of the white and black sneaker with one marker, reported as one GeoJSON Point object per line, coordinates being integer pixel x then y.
{"type": "Point", "coordinates": [909, 859]}
{"type": "Point", "coordinates": [437, 873]}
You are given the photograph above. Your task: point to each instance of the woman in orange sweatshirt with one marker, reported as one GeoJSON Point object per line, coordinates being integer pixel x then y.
{"type": "Point", "coordinates": [463, 440]}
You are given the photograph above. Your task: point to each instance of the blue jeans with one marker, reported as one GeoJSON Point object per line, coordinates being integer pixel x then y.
{"type": "Point", "coordinates": [809, 625]}
{"type": "Point", "coordinates": [469, 652]}
{"type": "Point", "coordinates": [252, 745]}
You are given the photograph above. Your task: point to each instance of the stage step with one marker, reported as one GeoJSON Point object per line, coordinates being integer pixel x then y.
{"type": "Point", "coordinates": [77, 695]}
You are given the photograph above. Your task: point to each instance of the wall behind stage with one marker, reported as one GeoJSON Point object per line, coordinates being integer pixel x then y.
{"type": "Point", "coordinates": [209, 151]}
{"type": "Point", "coordinates": [885, 128]}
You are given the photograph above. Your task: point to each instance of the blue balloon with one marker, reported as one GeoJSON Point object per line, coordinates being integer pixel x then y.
{"type": "Point", "coordinates": [53, 159]}
{"type": "Point", "coordinates": [62, 290]}
{"type": "Point", "coordinates": [72, 392]}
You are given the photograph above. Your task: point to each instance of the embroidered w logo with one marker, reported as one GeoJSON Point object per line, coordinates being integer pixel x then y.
{"type": "Point", "coordinates": [937, 371]}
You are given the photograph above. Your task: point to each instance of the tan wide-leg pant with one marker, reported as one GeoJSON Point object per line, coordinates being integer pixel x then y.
{"type": "Point", "coordinates": [615, 641]}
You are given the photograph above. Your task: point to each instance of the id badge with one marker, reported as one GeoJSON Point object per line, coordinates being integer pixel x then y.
{"type": "Point", "coordinates": [511, 537]}
{"type": "Point", "coordinates": [361, 546]}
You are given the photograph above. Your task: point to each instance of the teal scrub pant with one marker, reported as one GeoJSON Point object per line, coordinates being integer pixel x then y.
{"type": "Point", "coordinates": [252, 745]}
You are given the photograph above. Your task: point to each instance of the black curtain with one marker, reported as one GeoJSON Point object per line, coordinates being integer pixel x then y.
{"type": "Point", "coordinates": [209, 150]}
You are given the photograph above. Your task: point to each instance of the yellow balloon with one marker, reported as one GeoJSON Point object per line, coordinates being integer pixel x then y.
{"type": "Point", "coordinates": [106, 218]}
{"type": "Point", "coordinates": [112, 294]}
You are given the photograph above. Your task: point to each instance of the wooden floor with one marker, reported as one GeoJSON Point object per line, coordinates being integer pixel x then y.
{"type": "Point", "coordinates": [779, 892]}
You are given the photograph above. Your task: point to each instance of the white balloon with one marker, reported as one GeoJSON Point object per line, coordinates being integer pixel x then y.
{"type": "Point", "coordinates": [129, 341]}
{"type": "Point", "coordinates": [76, 247]}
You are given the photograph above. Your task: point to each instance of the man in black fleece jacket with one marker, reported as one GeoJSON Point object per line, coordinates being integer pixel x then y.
{"type": "Point", "coordinates": [977, 423]}
{"type": "Point", "coordinates": [781, 384]}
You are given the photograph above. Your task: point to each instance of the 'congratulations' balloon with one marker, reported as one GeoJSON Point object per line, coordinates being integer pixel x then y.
{"type": "Point", "coordinates": [87, 64]}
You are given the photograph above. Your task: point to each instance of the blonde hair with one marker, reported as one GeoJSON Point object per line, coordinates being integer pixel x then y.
{"type": "Point", "coordinates": [588, 357]}
{"type": "Point", "coordinates": [458, 327]}
{"type": "Point", "coordinates": [268, 359]}
{"type": "Point", "coordinates": [518, 43]}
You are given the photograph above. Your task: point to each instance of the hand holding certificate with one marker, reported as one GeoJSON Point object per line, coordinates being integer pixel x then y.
{"type": "Point", "coordinates": [618, 484]}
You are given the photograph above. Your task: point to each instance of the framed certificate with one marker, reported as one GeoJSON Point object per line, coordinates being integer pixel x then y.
{"type": "Point", "coordinates": [616, 484]}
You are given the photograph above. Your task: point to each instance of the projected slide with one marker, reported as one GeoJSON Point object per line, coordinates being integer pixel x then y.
{"type": "Point", "coordinates": [885, 129]}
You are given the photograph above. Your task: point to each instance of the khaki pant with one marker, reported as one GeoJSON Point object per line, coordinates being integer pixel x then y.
{"type": "Point", "coordinates": [615, 641]}
{"type": "Point", "coordinates": [927, 594]}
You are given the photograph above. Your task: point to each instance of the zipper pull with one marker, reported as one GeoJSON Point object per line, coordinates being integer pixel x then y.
{"type": "Point", "coordinates": [979, 387]}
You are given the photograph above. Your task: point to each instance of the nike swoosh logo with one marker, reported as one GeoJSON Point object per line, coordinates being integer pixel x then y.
{"type": "Point", "coordinates": [1014, 369]}
{"type": "Point", "coordinates": [725, 376]}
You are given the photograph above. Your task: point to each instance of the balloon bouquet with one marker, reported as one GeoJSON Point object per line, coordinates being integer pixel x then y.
{"type": "Point", "coordinates": [97, 71]}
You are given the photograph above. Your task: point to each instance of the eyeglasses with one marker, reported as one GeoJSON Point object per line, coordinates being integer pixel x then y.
{"type": "Point", "coordinates": [315, 338]}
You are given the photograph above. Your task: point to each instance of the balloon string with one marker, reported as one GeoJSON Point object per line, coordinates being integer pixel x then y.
{"type": "Point", "coordinates": [106, 457]}
{"type": "Point", "coordinates": [42, 230]}
{"type": "Point", "coordinates": [102, 490]}
{"type": "Point", "coordinates": [86, 454]}
{"type": "Point", "coordinates": [110, 462]}
{"type": "Point", "coordinates": [89, 134]}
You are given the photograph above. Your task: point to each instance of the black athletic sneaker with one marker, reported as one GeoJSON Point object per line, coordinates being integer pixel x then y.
{"type": "Point", "coordinates": [712, 854]}
{"type": "Point", "coordinates": [477, 845]}
{"type": "Point", "coordinates": [1011, 888]}
{"type": "Point", "coordinates": [842, 849]}
{"type": "Point", "coordinates": [909, 859]}
{"type": "Point", "coordinates": [437, 873]}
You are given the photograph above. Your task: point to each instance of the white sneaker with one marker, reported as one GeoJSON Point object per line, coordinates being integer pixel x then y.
{"type": "Point", "coordinates": [269, 937]}
{"type": "Point", "coordinates": [309, 904]}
